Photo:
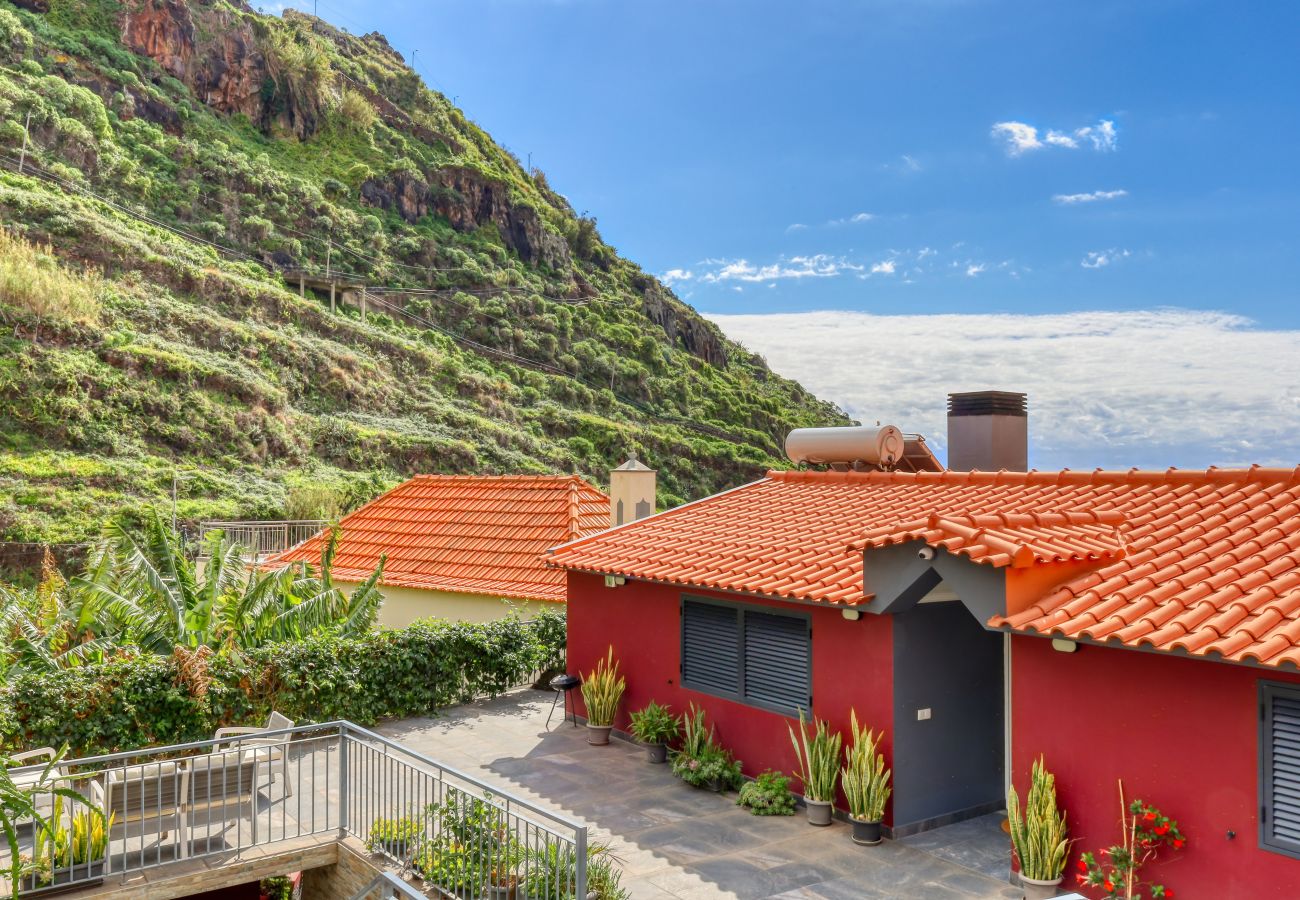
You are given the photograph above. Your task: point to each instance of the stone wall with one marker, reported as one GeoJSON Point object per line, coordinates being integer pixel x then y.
{"type": "Point", "coordinates": [343, 880]}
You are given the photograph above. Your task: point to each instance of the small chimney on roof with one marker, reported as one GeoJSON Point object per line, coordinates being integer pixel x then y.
{"type": "Point", "coordinates": [631, 492]}
{"type": "Point", "coordinates": [988, 430]}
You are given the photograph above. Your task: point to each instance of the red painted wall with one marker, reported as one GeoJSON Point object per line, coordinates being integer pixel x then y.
{"type": "Point", "coordinates": [852, 665]}
{"type": "Point", "coordinates": [1184, 736]}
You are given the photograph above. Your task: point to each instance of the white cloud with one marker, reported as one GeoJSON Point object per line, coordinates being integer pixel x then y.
{"type": "Point", "coordinates": [676, 276]}
{"type": "Point", "coordinates": [1097, 259]}
{"type": "Point", "coordinates": [1090, 197]}
{"type": "Point", "coordinates": [797, 226]}
{"type": "Point", "coordinates": [1190, 390]}
{"type": "Point", "coordinates": [910, 164]}
{"type": "Point", "coordinates": [1021, 137]}
{"type": "Point", "coordinates": [974, 269]}
{"type": "Point", "coordinates": [884, 267]}
{"type": "Point", "coordinates": [855, 219]}
{"type": "Point", "coordinates": [820, 265]}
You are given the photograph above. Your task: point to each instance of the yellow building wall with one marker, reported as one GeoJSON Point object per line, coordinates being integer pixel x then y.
{"type": "Point", "coordinates": [403, 605]}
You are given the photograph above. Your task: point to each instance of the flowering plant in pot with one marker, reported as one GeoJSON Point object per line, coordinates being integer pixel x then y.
{"type": "Point", "coordinates": [819, 767]}
{"type": "Point", "coordinates": [866, 782]}
{"type": "Point", "coordinates": [1039, 837]}
{"type": "Point", "coordinates": [72, 851]}
{"type": "Point", "coordinates": [602, 691]}
{"type": "Point", "coordinates": [1144, 832]}
{"type": "Point", "coordinates": [702, 761]}
{"type": "Point", "coordinates": [656, 727]}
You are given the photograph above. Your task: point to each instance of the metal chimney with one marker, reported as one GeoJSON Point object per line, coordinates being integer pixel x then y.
{"type": "Point", "coordinates": [988, 430]}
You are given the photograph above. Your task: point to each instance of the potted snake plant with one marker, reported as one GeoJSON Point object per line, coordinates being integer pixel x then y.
{"type": "Point", "coordinates": [656, 727]}
{"type": "Point", "coordinates": [602, 691]}
{"type": "Point", "coordinates": [866, 783]}
{"type": "Point", "coordinates": [819, 767]}
{"type": "Point", "coordinates": [66, 852]}
{"type": "Point", "coordinates": [1039, 837]}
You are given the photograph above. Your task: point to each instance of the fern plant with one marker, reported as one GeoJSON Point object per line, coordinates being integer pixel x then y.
{"type": "Point", "coordinates": [864, 776]}
{"type": "Point", "coordinates": [1039, 837]}
{"type": "Point", "coordinates": [818, 757]}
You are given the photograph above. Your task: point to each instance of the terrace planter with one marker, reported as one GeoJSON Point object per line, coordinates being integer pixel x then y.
{"type": "Point", "coordinates": [714, 785]}
{"type": "Point", "coordinates": [819, 812]}
{"type": "Point", "coordinates": [656, 753]}
{"type": "Point", "coordinates": [1037, 889]}
{"type": "Point", "coordinates": [866, 833]}
{"type": "Point", "coordinates": [598, 735]}
{"type": "Point", "coordinates": [82, 875]}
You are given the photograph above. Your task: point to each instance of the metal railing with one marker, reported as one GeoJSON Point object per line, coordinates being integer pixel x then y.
{"type": "Point", "coordinates": [262, 539]}
{"type": "Point", "coordinates": [188, 801]}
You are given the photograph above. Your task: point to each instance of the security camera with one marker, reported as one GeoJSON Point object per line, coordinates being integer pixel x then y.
{"type": "Point", "coordinates": [926, 553]}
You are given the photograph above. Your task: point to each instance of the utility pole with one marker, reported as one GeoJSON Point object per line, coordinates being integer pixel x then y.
{"type": "Point", "coordinates": [329, 246]}
{"type": "Point", "coordinates": [530, 165]}
{"type": "Point", "coordinates": [22, 157]}
{"type": "Point", "coordinates": [413, 52]}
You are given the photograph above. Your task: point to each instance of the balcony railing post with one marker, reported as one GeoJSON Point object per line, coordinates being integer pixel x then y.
{"type": "Point", "coordinates": [580, 846]}
{"type": "Point", "coordinates": [343, 781]}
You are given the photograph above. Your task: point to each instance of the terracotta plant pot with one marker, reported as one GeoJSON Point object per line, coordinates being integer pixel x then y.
{"type": "Point", "coordinates": [656, 753]}
{"type": "Point", "coordinates": [1039, 890]}
{"type": "Point", "coordinates": [598, 735]}
{"type": "Point", "coordinates": [819, 812]}
{"type": "Point", "coordinates": [866, 833]}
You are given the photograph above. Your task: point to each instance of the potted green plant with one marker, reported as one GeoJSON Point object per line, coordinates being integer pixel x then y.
{"type": "Point", "coordinates": [1039, 837]}
{"type": "Point", "coordinates": [656, 727]}
{"type": "Point", "coordinates": [866, 782]}
{"type": "Point", "coordinates": [767, 795]}
{"type": "Point", "coordinates": [702, 761]}
{"type": "Point", "coordinates": [62, 854]}
{"type": "Point", "coordinates": [397, 838]}
{"type": "Point", "coordinates": [602, 690]}
{"type": "Point", "coordinates": [819, 767]}
{"type": "Point", "coordinates": [21, 803]}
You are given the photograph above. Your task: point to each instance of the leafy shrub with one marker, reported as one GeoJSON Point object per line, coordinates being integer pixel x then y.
{"type": "Point", "coordinates": [33, 280]}
{"type": "Point", "coordinates": [140, 701]}
{"type": "Point", "coordinates": [768, 795]}
{"type": "Point", "coordinates": [355, 111]}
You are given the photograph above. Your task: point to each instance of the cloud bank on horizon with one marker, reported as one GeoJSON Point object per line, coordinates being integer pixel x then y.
{"type": "Point", "coordinates": [1149, 388]}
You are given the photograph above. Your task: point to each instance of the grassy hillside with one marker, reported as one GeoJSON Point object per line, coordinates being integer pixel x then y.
{"type": "Point", "coordinates": [181, 156]}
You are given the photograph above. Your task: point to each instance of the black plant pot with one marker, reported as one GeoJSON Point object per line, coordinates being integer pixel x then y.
{"type": "Point", "coordinates": [82, 875]}
{"type": "Point", "coordinates": [866, 833]}
{"type": "Point", "coordinates": [656, 753]}
{"type": "Point", "coordinates": [714, 784]}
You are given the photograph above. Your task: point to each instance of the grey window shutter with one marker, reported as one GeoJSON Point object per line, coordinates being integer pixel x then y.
{"type": "Point", "coordinates": [711, 647]}
{"type": "Point", "coordinates": [777, 660]}
{"type": "Point", "coordinates": [1281, 745]}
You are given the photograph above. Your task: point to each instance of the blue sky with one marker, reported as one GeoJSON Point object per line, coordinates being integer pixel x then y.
{"type": "Point", "coordinates": [1031, 160]}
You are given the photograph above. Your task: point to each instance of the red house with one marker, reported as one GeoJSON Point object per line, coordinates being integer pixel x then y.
{"type": "Point", "coordinates": [1136, 625]}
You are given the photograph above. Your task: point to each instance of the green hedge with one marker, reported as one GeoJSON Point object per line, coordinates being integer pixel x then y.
{"type": "Point", "coordinates": [136, 702]}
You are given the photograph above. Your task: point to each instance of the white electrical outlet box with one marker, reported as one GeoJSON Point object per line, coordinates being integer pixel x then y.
{"type": "Point", "coordinates": [923, 714]}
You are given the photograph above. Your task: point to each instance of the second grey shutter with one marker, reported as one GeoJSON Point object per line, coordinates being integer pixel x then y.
{"type": "Point", "coordinates": [777, 660]}
{"type": "Point", "coordinates": [711, 647]}
{"type": "Point", "coordinates": [1284, 784]}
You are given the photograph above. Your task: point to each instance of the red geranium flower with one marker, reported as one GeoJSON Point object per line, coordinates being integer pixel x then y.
{"type": "Point", "coordinates": [1108, 885]}
{"type": "Point", "coordinates": [1178, 842]}
{"type": "Point", "coordinates": [1150, 817]}
{"type": "Point", "coordinates": [1169, 893]}
{"type": "Point", "coordinates": [1083, 866]}
{"type": "Point", "coordinates": [1161, 829]}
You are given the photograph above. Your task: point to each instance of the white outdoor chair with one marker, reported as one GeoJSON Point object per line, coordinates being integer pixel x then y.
{"type": "Point", "coordinates": [268, 751]}
{"type": "Point", "coordinates": [34, 761]}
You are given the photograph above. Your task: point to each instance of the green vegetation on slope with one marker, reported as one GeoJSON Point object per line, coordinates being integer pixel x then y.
{"type": "Point", "coordinates": [181, 154]}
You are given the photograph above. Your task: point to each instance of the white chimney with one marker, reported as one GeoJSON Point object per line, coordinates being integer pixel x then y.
{"type": "Point", "coordinates": [631, 492]}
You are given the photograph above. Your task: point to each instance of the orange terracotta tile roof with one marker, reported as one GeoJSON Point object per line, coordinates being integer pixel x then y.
{"type": "Point", "coordinates": [1011, 539]}
{"type": "Point", "coordinates": [1206, 563]}
{"type": "Point", "coordinates": [469, 533]}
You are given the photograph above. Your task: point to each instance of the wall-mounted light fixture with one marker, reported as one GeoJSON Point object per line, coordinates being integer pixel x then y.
{"type": "Point", "coordinates": [851, 614]}
{"type": "Point", "coordinates": [613, 581]}
{"type": "Point", "coordinates": [1061, 645]}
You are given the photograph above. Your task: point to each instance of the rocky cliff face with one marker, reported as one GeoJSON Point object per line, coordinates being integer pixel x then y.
{"type": "Point", "coordinates": [227, 73]}
{"type": "Point", "coordinates": [470, 201]}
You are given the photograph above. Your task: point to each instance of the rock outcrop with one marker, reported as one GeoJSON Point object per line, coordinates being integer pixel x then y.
{"type": "Point", "coordinates": [469, 201]}
{"type": "Point", "coordinates": [684, 327]}
{"type": "Point", "coordinates": [227, 73]}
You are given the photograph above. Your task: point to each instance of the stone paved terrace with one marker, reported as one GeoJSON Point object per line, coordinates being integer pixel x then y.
{"type": "Point", "coordinates": [676, 841]}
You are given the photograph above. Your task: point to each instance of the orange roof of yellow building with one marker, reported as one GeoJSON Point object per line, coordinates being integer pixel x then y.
{"type": "Point", "coordinates": [475, 534]}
